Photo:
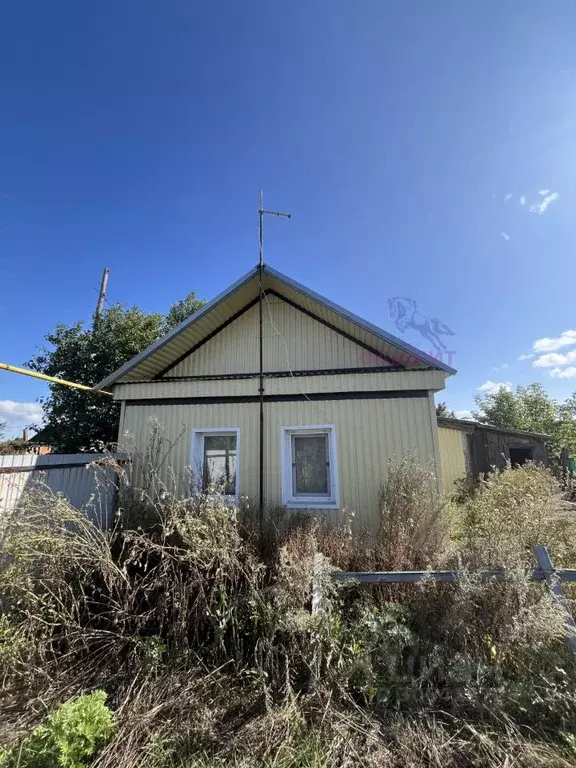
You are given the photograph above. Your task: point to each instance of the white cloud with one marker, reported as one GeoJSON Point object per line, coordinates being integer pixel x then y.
{"type": "Point", "coordinates": [526, 357]}
{"type": "Point", "coordinates": [564, 373]}
{"type": "Point", "coordinates": [551, 344]}
{"type": "Point", "coordinates": [544, 191]}
{"type": "Point", "coordinates": [464, 413]}
{"type": "Point", "coordinates": [523, 200]}
{"type": "Point", "coordinates": [491, 387]}
{"type": "Point", "coordinates": [541, 206]}
{"type": "Point", "coordinates": [507, 197]}
{"type": "Point", "coordinates": [505, 236]}
{"type": "Point", "coordinates": [554, 359]}
{"type": "Point", "coordinates": [19, 415]}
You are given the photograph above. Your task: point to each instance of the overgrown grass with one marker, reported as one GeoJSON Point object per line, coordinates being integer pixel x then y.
{"type": "Point", "coordinates": [201, 633]}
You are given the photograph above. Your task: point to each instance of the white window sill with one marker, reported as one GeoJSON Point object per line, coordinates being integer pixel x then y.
{"type": "Point", "coordinates": [310, 504]}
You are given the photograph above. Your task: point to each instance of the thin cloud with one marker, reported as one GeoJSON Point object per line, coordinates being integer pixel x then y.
{"type": "Point", "coordinates": [505, 236]}
{"type": "Point", "coordinates": [564, 373]}
{"type": "Point", "coordinates": [523, 200]}
{"type": "Point", "coordinates": [541, 206]}
{"type": "Point", "coordinates": [464, 413]}
{"type": "Point", "coordinates": [554, 359]}
{"type": "Point", "coordinates": [18, 416]}
{"type": "Point", "coordinates": [544, 191]}
{"type": "Point", "coordinates": [551, 344]}
{"type": "Point", "coordinates": [507, 197]}
{"type": "Point", "coordinates": [527, 357]}
{"type": "Point", "coordinates": [491, 387]}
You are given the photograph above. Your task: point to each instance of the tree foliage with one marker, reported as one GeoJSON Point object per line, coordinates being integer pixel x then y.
{"type": "Point", "coordinates": [180, 310]}
{"type": "Point", "coordinates": [15, 445]}
{"type": "Point", "coordinates": [531, 408]}
{"type": "Point", "coordinates": [77, 420]}
{"type": "Point", "coordinates": [443, 410]}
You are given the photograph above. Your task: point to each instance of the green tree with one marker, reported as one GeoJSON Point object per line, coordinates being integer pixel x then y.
{"type": "Point", "coordinates": [2, 429]}
{"type": "Point", "coordinates": [500, 408]}
{"type": "Point", "coordinates": [532, 409]}
{"type": "Point", "coordinates": [443, 410]}
{"type": "Point", "coordinates": [83, 421]}
{"type": "Point", "coordinates": [181, 310]}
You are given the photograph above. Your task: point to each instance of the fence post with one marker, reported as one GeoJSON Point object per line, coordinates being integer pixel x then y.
{"type": "Point", "coordinates": [555, 587]}
{"type": "Point", "coordinates": [317, 576]}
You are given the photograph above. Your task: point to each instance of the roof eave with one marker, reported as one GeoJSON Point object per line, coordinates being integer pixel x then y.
{"type": "Point", "coordinates": [384, 335]}
{"type": "Point", "coordinates": [388, 337]}
{"type": "Point", "coordinates": [159, 343]}
{"type": "Point", "coordinates": [470, 425]}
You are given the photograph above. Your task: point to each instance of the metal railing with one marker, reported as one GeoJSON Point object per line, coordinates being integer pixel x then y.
{"type": "Point", "coordinates": [545, 572]}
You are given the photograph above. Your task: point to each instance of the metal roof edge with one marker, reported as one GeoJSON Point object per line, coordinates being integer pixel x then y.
{"type": "Point", "coordinates": [128, 366]}
{"type": "Point", "coordinates": [390, 338]}
{"type": "Point", "coordinates": [449, 421]}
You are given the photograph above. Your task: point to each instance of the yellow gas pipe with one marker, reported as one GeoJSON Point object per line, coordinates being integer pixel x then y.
{"type": "Point", "coordinates": [35, 375]}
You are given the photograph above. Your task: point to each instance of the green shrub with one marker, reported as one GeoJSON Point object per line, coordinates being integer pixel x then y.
{"type": "Point", "coordinates": [510, 512]}
{"type": "Point", "coordinates": [67, 738]}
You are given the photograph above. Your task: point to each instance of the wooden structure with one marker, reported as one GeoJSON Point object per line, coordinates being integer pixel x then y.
{"type": "Point", "coordinates": [468, 448]}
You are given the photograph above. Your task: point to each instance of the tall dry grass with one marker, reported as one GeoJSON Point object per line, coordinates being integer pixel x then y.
{"type": "Point", "coordinates": [200, 631]}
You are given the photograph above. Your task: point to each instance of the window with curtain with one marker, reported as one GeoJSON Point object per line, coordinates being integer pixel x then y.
{"type": "Point", "coordinates": [309, 470]}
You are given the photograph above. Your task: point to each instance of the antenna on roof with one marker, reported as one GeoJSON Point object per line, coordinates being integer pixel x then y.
{"type": "Point", "coordinates": [261, 214]}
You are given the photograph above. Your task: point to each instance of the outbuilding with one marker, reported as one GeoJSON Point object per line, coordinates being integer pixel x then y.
{"type": "Point", "coordinates": [469, 449]}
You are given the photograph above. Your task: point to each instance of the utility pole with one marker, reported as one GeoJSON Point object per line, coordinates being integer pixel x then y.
{"type": "Point", "coordinates": [261, 214]}
{"type": "Point", "coordinates": [102, 294]}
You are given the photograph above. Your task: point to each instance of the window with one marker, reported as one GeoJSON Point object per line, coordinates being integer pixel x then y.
{"type": "Point", "coordinates": [309, 469]}
{"type": "Point", "coordinates": [215, 460]}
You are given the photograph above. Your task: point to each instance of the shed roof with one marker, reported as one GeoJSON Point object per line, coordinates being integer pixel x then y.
{"type": "Point", "coordinates": [223, 309]}
{"type": "Point", "coordinates": [467, 425]}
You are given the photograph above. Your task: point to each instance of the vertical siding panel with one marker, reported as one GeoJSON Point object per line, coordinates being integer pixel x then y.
{"type": "Point", "coordinates": [452, 456]}
{"type": "Point", "coordinates": [82, 486]}
{"type": "Point", "coordinates": [311, 345]}
{"type": "Point", "coordinates": [368, 433]}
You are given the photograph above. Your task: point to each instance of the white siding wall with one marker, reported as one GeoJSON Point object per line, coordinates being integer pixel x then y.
{"type": "Point", "coordinates": [292, 340]}
{"type": "Point", "coordinates": [453, 448]}
{"type": "Point", "coordinates": [288, 385]}
{"type": "Point", "coordinates": [368, 433]}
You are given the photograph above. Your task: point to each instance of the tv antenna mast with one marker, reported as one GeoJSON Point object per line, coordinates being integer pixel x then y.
{"type": "Point", "coordinates": [261, 213]}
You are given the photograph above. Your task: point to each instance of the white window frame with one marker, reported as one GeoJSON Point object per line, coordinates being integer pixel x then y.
{"type": "Point", "coordinates": [289, 499]}
{"type": "Point", "coordinates": [197, 455]}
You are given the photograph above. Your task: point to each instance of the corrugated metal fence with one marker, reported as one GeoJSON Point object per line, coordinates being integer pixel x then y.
{"type": "Point", "coordinates": [87, 480]}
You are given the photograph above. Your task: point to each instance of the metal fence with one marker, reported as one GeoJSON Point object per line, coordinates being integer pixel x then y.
{"type": "Point", "coordinates": [545, 572]}
{"type": "Point", "coordinates": [87, 480]}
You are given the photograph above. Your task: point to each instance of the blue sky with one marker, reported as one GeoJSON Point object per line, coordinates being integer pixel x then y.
{"type": "Point", "coordinates": [425, 150]}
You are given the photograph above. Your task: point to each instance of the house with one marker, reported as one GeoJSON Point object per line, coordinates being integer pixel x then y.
{"type": "Point", "coordinates": [275, 393]}
{"type": "Point", "coordinates": [468, 449]}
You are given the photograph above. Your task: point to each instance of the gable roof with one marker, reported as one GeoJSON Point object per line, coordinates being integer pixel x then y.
{"type": "Point", "coordinates": [222, 310]}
